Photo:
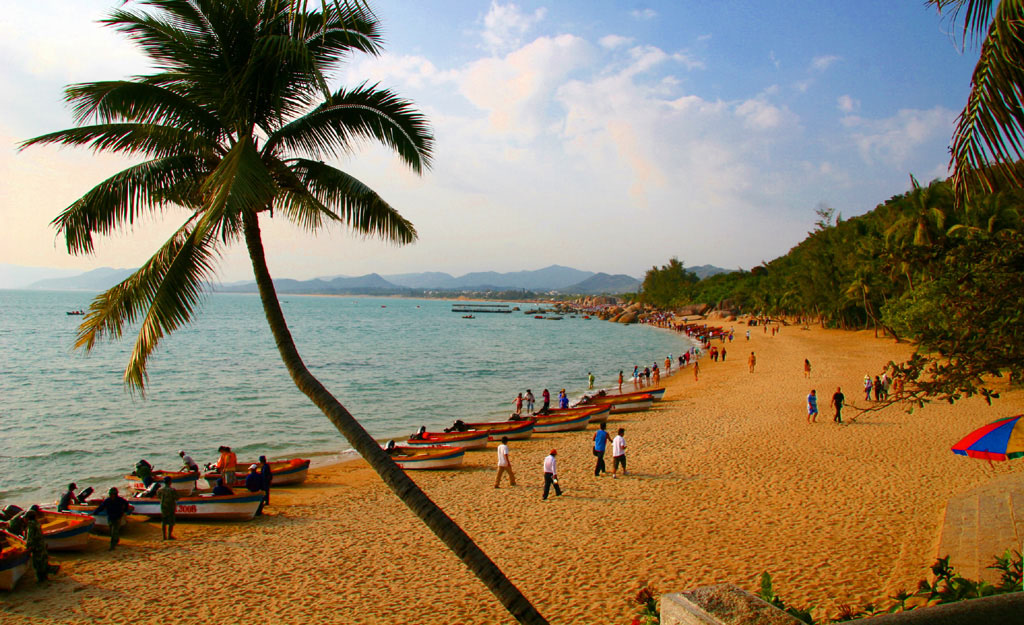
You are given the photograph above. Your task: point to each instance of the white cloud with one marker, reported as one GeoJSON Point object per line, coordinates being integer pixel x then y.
{"type": "Point", "coordinates": [773, 59]}
{"type": "Point", "coordinates": [615, 41]}
{"type": "Point", "coordinates": [644, 14]}
{"type": "Point", "coordinates": [821, 63]}
{"type": "Point", "coordinates": [894, 140]}
{"type": "Point", "coordinates": [505, 25]}
{"type": "Point", "coordinates": [847, 104]}
{"type": "Point", "coordinates": [758, 114]}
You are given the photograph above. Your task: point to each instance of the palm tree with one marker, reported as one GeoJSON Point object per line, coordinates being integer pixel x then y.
{"type": "Point", "coordinates": [234, 126]}
{"type": "Point", "coordinates": [989, 135]}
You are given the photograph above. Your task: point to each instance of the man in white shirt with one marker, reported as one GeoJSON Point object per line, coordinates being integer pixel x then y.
{"type": "Point", "coordinates": [619, 453]}
{"type": "Point", "coordinates": [504, 465]}
{"type": "Point", "coordinates": [551, 474]}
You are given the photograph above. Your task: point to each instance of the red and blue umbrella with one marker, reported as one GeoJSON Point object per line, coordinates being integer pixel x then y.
{"type": "Point", "coordinates": [999, 440]}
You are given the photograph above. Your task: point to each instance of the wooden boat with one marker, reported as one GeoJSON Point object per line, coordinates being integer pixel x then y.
{"type": "Point", "coordinates": [608, 398]}
{"type": "Point", "coordinates": [13, 559]}
{"type": "Point", "coordinates": [514, 430]}
{"type": "Point", "coordinates": [563, 423]}
{"type": "Point", "coordinates": [599, 414]}
{"type": "Point", "coordinates": [466, 440]}
{"type": "Point", "coordinates": [424, 457]}
{"type": "Point", "coordinates": [102, 522]}
{"type": "Point", "coordinates": [182, 481]}
{"type": "Point", "coordinates": [65, 531]}
{"type": "Point", "coordinates": [284, 472]}
{"type": "Point", "coordinates": [241, 506]}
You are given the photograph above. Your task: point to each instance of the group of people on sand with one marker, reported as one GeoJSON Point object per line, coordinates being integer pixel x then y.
{"type": "Point", "coordinates": [838, 401]}
{"type": "Point", "coordinates": [524, 404]}
{"type": "Point", "coordinates": [550, 464]}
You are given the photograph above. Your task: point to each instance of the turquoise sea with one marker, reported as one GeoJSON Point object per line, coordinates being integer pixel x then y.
{"type": "Point", "coordinates": [395, 364]}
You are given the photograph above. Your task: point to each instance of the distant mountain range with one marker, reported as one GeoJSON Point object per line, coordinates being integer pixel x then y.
{"type": "Point", "coordinates": [555, 278]}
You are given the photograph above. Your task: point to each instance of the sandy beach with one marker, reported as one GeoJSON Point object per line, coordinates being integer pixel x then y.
{"type": "Point", "coordinates": [726, 480]}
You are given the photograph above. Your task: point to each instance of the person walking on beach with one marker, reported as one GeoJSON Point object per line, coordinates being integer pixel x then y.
{"type": "Point", "coordinates": [696, 370]}
{"type": "Point", "coordinates": [546, 396]}
{"type": "Point", "coordinates": [168, 505]}
{"type": "Point", "coordinates": [878, 389]}
{"type": "Point", "coordinates": [590, 380]}
{"type": "Point", "coordinates": [807, 368]}
{"type": "Point", "coordinates": [551, 474]}
{"type": "Point", "coordinates": [722, 354]}
{"type": "Point", "coordinates": [837, 402]}
{"type": "Point", "coordinates": [812, 407]}
{"type": "Point", "coordinates": [116, 508]}
{"type": "Point", "coordinates": [529, 401]}
{"type": "Point", "coordinates": [752, 361]}
{"type": "Point", "coordinates": [748, 335]}
{"type": "Point", "coordinates": [867, 387]}
{"type": "Point", "coordinates": [518, 405]}
{"type": "Point", "coordinates": [504, 464]}
{"type": "Point", "coordinates": [619, 453]}
{"type": "Point", "coordinates": [600, 445]}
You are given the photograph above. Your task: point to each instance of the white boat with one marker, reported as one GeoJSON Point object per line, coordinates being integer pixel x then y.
{"type": "Point", "coordinates": [237, 507]}
{"type": "Point", "coordinates": [413, 458]}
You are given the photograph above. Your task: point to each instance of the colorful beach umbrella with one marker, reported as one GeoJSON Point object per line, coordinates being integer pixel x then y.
{"type": "Point", "coordinates": [999, 440]}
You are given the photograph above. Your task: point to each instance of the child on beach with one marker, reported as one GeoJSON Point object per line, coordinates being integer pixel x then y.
{"type": "Point", "coordinates": [812, 407]}
{"type": "Point", "coordinates": [807, 368]}
{"type": "Point", "coordinates": [619, 453]}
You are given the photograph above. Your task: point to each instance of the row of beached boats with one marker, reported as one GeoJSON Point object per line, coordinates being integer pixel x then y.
{"type": "Point", "coordinates": [69, 531]}
{"type": "Point", "coordinates": [446, 450]}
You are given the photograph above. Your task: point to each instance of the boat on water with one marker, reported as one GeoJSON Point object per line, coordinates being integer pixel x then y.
{"type": "Point", "coordinates": [468, 317]}
{"type": "Point", "coordinates": [598, 414]}
{"type": "Point", "coordinates": [514, 430]}
{"type": "Point", "coordinates": [284, 472]}
{"type": "Point", "coordinates": [466, 440]}
{"type": "Point", "coordinates": [76, 312]}
{"type": "Point", "coordinates": [182, 481]}
{"type": "Point", "coordinates": [65, 531]}
{"type": "Point", "coordinates": [237, 507]}
{"type": "Point", "coordinates": [415, 458]}
{"type": "Point", "coordinates": [13, 559]}
{"type": "Point", "coordinates": [563, 423]}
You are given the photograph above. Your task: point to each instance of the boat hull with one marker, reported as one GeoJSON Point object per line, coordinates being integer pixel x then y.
{"type": "Point", "coordinates": [465, 440]}
{"type": "Point", "coordinates": [237, 507]}
{"type": "Point", "coordinates": [599, 414]}
{"type": "Point", "coordinates": [513, 430]}
{"type": "Point", "coordinates": [13, 560]}
{"type": "Point", "coordinates": [631, 406]}
{"type": "Point", "coordinates": [66, 531]}
{"type": "Point", "coordinates": [426, 457]}
{"type": "Point", "coordinates": [567, 423]}
{"type": "Point", "coordinates": [599, 400]}
{"type": "Point", "coordinates": [284, 472]}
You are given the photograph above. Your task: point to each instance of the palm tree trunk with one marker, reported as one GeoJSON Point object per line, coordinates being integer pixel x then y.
{"type": "Point", "coordinates": [411, 495]}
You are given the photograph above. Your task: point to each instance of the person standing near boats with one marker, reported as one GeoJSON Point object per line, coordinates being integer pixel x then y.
{"type": "Point", "coordinates": [267, 478]}
{"type": "Point", "coordinates": [600, 445]}
{"type": "Point", "coordinates": [68, 498]}
{"type": "Point", "coordinates": [518, 405]}
{"type": "Point", "coordinates": [590, 380]}
{"type": "Point", "coordinates": [116, 507]}
{"type": "Point", "coordinates": [226, 464]}
{"type": "Point", "coordinates": [254, 484]}
{"type": "Point", "coordinates": [563, 399]}
{"type": "Point", "coordinates": [620, 381]}
{"type": "Point", "coordinates": [168, 505]}
{"type": "Point", "coordinates": [546, 396]}
{"type": "Point", "coordinates": [37, 547]}
{"type": "Point", "coordinates": [551, 474]}
{"type": "Point", "coordinates": [504, 464]}
{"type": "Point", "coordinates": [529, 401]}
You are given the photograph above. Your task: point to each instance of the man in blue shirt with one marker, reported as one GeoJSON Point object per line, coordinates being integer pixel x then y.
{"type": "Point", "coordinates": [116, 508]}
{"type": "Point", "coordinates": [600, 444]}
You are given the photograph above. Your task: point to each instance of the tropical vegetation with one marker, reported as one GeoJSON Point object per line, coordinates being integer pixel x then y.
{"type": "Point", "coordinates": [237, 126]}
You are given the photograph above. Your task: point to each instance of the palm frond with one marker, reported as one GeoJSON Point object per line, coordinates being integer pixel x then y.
{"type": "Point", "coordinates": [164, 293]}
{"type": "Point", "coordinates": [349, 201]}
{"type": "Point", "coordinates": [138, 101]}
{"type": "Point", "coordinates": [364, 113]}
{"type": "Point", "coordinates": [119, 200]}
{"type": "Point", "coordinates": [150, 140]}
{"type": "Point", "coordinates": [240, 183]}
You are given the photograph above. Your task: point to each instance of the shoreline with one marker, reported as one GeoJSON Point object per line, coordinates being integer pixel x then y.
{"type": "Point", "coordinates": [728, 480]}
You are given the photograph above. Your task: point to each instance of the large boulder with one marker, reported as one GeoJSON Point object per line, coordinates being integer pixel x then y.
{"type": "Point", "coordinates": [630, 316]}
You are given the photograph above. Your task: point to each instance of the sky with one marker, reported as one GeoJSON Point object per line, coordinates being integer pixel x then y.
{"type": "Point", "coordinates": [603, 135]}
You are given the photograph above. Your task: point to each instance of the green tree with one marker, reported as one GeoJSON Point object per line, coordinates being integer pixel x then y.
{"type": "Point", "coordinates": [233, 128]}
{"type": "Point", "coordinates": [668, 285]}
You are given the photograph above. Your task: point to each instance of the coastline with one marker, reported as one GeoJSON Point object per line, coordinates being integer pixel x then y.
{"type": "Point", "coordinates": [728, 481]}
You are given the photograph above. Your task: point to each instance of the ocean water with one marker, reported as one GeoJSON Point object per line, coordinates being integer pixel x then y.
{"type": "Point", "coordinates": [395, 364]}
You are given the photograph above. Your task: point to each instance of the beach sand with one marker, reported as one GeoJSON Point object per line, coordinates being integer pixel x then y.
{"type": "Point", "coordinates": [726, 480]}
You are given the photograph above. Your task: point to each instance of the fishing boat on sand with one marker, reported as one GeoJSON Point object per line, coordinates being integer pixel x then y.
{"type": "Point", "coordinates": [598, 414]}
{"type": "Point", "coordinates": [514, 430]}
{"type": "Point", "coordinates": [564, 423]}
{"type": "Point", "coordinates": [237, 507]}
{"type": "Point", "coordinates": [284, 472]}
{"type": "Point", "coordinates": [13, 559]}
{"type": "Point", "coordinates": [182, 481]}
{"type": "Point", "coordinates": [411, 458]}
{"type": "Point", "coordinates": [466, 440]}
{"type": "Point", "coordinates": [607, 397]}
{"type": "Point", "coordinates": [65, 531]}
